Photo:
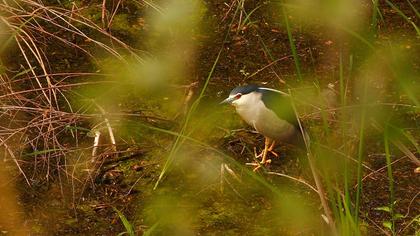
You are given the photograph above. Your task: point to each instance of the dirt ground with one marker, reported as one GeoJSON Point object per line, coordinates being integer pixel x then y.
{"type": "Point", "coordinates": [58, 205]}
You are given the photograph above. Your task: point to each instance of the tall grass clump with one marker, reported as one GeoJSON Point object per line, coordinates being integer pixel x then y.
{"type": "Point", "coordinates": [35, 96]}
{"type": "Point", "coordinates": [369, 92]}
{"type": "Point", "coordinates": [120, 99]}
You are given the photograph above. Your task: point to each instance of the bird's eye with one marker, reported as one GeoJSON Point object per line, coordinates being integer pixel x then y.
{"type": "Point", "coordinates": [237, 96]}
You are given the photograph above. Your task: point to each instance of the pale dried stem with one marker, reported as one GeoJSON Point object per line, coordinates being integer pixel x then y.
{"type": "Point", "coordinates": [113, 14]}
{"type": "Point", "coordinates": [103, 13]}
{"type": "Point", "coordinates": [33, 112]}
{"type": "Point", "coordinates": [95, 144]}
{"type": "Point", "coordinates": [295, 179]}
{"type": "Point", "coordinates": [109, 127]}
{"type": "Point", "coordinates": [32, 70]}
{"type": "Point", "coordinates": [12, 155]}
{"type": "Point", "coordinates": [317, 178]}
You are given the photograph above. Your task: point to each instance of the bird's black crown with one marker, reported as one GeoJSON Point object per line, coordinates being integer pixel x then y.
{"type": "Point", "coordinates": [244, 89]}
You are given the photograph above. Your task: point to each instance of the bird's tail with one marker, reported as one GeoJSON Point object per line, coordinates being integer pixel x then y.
{"type": "Point", "coordinates": [306, 139]}
{"type": "Point", "coordinates": [303, 140]}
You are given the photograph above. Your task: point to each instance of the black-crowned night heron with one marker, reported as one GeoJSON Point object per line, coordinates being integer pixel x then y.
{"type": "Point", "coordinates": [269, 112]}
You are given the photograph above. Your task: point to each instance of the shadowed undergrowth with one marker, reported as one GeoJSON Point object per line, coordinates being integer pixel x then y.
{"type": "Point", "coordinates": [110, 109]}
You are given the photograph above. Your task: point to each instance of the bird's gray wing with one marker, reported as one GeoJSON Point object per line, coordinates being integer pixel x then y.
{"type": "Point", "coordinates": [280, 104]}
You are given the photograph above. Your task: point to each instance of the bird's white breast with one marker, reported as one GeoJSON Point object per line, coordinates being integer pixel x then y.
{"type": "Point", "coordinates": [253, 111]}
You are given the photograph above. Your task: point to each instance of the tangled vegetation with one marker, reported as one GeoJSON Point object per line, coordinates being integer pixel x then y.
{"type": "Point", "coordinates": [110, 119]}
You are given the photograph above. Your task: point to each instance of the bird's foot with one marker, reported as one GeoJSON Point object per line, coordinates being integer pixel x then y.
{"type": "Point", "coordinates": [274, 153]}
{"type": "Point", "coordinates": [271, 149]}
{"type": "Point", "coordinates": [258, 164]}
{"type": "Point", "coordinates": [258, 156]}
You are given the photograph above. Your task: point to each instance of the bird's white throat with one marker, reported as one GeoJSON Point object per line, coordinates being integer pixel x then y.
{"type": "Point", "coordinates": [249, 107]}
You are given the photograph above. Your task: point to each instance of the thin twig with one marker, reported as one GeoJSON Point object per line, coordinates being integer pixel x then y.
{"type": "Point", "coordinates": [295, 179]}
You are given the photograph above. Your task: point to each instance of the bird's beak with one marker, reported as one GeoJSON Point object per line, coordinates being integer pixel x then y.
{"type": "Point", "coordinates": [228, 100]}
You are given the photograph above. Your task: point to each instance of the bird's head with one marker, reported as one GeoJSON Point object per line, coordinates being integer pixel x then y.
{"type": "Point", "coordinates": [241, 95]}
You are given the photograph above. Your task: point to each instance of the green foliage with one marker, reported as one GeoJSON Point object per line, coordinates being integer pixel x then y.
{"type": "Point", "coordinates": [292, 43]}
{"type": "Point", "coordinates": [390, 224]}
{"type": "Point", "coordinates": [127, 225]}
{"type": "Point", "coordinates": [151, 77]}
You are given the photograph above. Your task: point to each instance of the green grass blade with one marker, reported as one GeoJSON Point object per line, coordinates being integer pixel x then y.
{"type": "Point", "coordinates": [391, 180]}
{"type": "Point", "coordinates": [360, 153]}
{"type": "Point", "coordinates": [151, 229]}
{"type": "Point", "coordinates": [414, 9]}
{"type": "Point", "coordinates": [404, 16]}
{"type": "Point", "coordinates": [179, 140]}
{"type": "Point", "coordinates": [358, 36]}
{"type": "Point", "coordinates": [374, 20]}
{"type": "Point", "coordinates": [42, 152]}
{"type": "Point", "coordinates": [248, 15]}
{"type": "Point", "coordinates": [292, 43]}
{"type": "Point", "coordinates": [127, 225]}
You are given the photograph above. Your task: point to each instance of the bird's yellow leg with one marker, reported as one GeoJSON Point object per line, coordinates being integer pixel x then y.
{"type": "Point", "coordinates": [266, 147]}
{"type": "Point", "coordinates": [257, 155]}
{"type": "Point", "coordinates": [271, 148]}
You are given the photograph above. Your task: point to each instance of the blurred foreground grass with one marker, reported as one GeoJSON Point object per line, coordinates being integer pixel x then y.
{"type": "Point", "coordinates": [114, 105]}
